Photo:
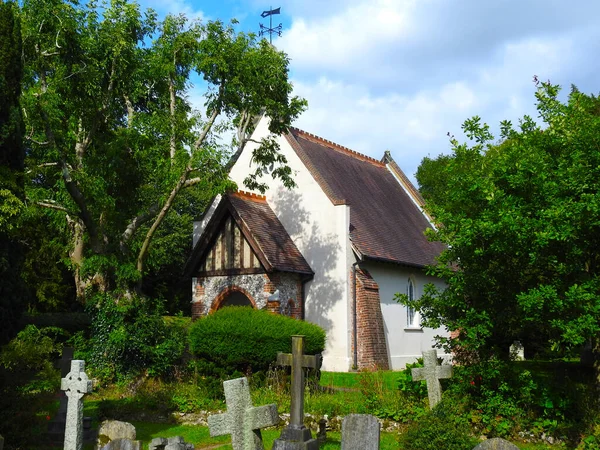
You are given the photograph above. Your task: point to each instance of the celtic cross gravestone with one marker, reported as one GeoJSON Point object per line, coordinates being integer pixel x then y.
{"type": "Point", "coordinates": [76, 384]}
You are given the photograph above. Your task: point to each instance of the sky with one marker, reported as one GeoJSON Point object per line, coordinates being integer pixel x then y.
{"type": "Point", "coordinates": [400, 75]}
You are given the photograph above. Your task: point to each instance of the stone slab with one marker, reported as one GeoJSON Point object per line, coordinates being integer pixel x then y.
{"type": "Point", "coordinates": [360, 432]}
{"type": "Point", "coordinates": [496, 444]}
{"type": "Point", "coordinates": [123, 444]}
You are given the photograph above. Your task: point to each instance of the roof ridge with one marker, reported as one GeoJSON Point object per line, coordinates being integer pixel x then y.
{"type": "Point", "coordinates": [250, 195]}
{"type": "Point", "coordinates": [337, 146]}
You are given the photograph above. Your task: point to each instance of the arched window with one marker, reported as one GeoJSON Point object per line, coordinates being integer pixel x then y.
{"type": "Point", "coordinates": [412, 316]}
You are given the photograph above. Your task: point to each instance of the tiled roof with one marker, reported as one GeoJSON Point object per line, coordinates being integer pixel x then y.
{"type": "Point", "coordinates": [268, 233]}
{"type": "Point", "coordinates": [385, 224]}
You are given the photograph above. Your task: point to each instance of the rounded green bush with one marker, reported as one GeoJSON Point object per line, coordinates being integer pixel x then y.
{"type": "Point", "coordinates": [442, 427]}
{"type": "Point", "coordinates": [247, 340]}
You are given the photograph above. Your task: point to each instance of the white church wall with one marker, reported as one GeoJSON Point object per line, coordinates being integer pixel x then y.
{"type": "Point", "coordinates": [318, 228]}
{"type": "Point", "coordinates": [405, 343]}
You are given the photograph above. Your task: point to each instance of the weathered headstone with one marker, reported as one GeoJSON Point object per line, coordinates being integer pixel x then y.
{"type": "Point", "coordinates": [517, 351]}
{"type": "Point", "coordinates": [296, 436]}
{"type": "Point", "coordinates": [75, 384]}
{"type": "Point", "coordinates": [360, 432]}
{"type": "Point", "coordinates": [172, 443]}
{"type": "Point", "coordinates": [432, 373]}
{"type": "Point", "coordinates": [122, 444]}
{"type": "Point", "coordinates": [242, 420]}
{"type": "Point", "coordinates": [496, 444]}
{"type": "Point", "coordinates": [113, 430]}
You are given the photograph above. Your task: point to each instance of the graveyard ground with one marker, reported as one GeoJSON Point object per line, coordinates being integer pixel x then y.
{"type": "Point", "coordinates": [153, 406]}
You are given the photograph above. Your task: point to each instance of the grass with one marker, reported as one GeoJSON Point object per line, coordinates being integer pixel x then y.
{"type": "Point", "coordinates": [200, 437]}
{"type": "Point", "coordinates": [351, 380]}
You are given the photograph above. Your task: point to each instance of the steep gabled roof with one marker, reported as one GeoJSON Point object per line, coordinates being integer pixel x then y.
{"type": "Point", "coordinates": [260, 227]}
{"type": "Point", "coordinates": [385, 222]}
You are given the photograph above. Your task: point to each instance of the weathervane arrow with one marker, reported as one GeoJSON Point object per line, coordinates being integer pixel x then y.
{"type": "Point", "coordinates": [270, 30]}
{"type": "Point", "coordinates": [270, 12]}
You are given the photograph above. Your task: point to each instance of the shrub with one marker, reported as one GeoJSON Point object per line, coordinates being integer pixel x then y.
{"type": "Point", "coordinates": [442, 427]}
{"type": "Point", "coordinates": [131, 337]}
{"type": "Point", "coordinates": [242, 339]}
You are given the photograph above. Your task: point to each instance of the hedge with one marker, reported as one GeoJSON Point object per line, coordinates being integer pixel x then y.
{"type": "Point", "coordinates": [245, 339]}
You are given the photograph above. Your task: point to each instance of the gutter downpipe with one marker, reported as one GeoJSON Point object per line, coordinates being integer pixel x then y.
{"type": "Point", "coordinates": [354, 324]}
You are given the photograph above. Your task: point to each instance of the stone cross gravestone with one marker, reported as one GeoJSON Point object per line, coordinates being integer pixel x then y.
{"type": "Point", "coordinates": [432, 373]}
{"type": "Point", "coordinates": [242, 420]}
{"type": "Point", "coordinates": [360, 432]}
{"type": "Point", "coordinates": [76, 384]}
{"type": "Point", "coordinates": [296, 436]}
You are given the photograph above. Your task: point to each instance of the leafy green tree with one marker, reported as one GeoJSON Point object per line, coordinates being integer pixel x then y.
{"type": "Point", "coordinates": [116, 150]}
{"type": "Point", "coordinates": [522, 223]}
{"type": "Point", "coordinates": [12, 153]}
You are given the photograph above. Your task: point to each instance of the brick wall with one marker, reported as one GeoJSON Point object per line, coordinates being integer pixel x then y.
{"type": "Point", "coordinates": [370, 332]}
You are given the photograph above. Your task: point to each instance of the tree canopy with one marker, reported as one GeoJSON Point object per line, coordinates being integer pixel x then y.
{"type": "Point", "coordinates": [521, 220]}
{"type": "Point", "coordinates": [117, 156]}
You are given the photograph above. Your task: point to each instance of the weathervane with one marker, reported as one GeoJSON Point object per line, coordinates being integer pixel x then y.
{"type": "Point", "coordinates": [264, 30]}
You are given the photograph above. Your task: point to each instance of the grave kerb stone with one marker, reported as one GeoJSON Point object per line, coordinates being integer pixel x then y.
{"type": "Point", "coordinates": [432, 373]}
{"type": "Point", "coordinates": [242, 420]}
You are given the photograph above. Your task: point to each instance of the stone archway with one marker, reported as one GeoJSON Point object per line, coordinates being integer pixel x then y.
{"type": "Point", "coordinates": [232, 296]}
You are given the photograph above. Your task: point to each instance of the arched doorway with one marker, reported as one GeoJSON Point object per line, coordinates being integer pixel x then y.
{"type": "Point", "coordinates": [235, 298]}
{"type": "Point", "coordinates": [232, 296]}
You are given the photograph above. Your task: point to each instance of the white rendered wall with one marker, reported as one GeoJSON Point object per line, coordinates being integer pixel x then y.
{"type": "Point", "coordinates": [319, 230]}
{"type": "Point", "coordinates": [405, 344]}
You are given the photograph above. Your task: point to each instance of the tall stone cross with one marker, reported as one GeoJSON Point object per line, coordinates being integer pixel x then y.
{"type": "Point", "coordinates": [296, 436]}
{"type": "Point", "coordinates": [242, 420]}
{"type": "Point", "coordinates": [432, 373]}
{"type": "Point", "coordinates": [76, 384]}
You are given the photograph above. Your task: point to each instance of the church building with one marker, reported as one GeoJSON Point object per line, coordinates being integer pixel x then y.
{"type": "Point", "coordinates": [334, 251]}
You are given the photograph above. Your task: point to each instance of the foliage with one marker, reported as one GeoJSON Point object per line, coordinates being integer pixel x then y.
{"type": "Point", "coordinates": [442, 427]}
{"type": "Point", "coordinates": [521, 220]}
{"type": "Point", "coordinates": [13, 293]}
{"type": "Point", "coordinates": [247, 340]}
{"type": "Point", "coordinates": [116, 153]}
{"type": "Point", "coordinates": [131, 337]}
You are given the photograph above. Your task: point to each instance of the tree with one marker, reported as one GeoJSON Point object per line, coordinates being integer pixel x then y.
{"type": "Point", "coordinates": [114, 144]}
{"type": "Point", "coordinates": [521, 219]}
{"type": "Point", "coordinates": [12, 291]}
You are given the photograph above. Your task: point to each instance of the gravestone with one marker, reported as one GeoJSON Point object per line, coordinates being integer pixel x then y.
{"type": "Point", "coordinates": [296, 436]}
{"type": "Point", "coordinates": [122, 444]}
{"type": "Point", "coordinates": [322, 433]}
{"type": "Point", "coordinates": [75, 384]}
{"type": "Point", "coordinates": [432, 373]}
{"type": "Point", "coordinates": [115, 430]}
{"type": "Point", "coordinates": [360, 432]}
{"type": "Point", "coordinates": [172, 443]}
{"type": "Point", "coordinates": [496, 444]}
{"type": "Point", "coordinates": [517, 351]}
{"type": "Point", "coordinates": [242, 420]}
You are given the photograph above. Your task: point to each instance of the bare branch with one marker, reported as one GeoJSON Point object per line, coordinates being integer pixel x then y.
{"type": "Point", "coordinates": [51, 204]}
{"type": "Point", "coordinates": [192, 182]}
{"type": "Point", "coordinates": [207, 126]}
{"type": "Point", "coordinates": [173, 141]}
{"type": "Point", "coordinates": [135, 223]}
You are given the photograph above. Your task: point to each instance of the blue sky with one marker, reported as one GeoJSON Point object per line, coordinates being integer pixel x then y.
{"type": "Point", "coordinates": [399, 75]}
